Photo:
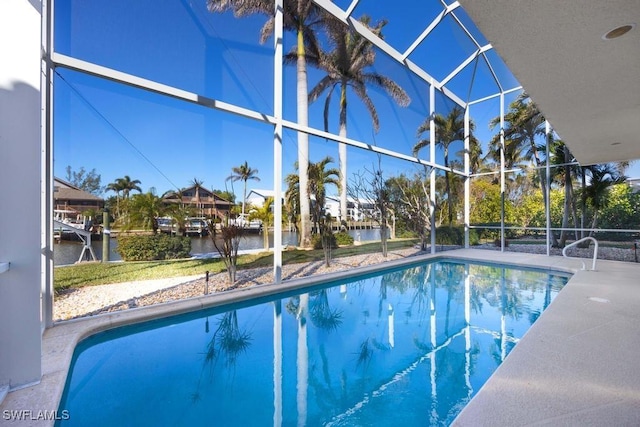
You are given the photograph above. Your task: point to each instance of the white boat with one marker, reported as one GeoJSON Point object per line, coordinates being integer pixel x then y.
{"type": "Point", "coordinates": [244, 222]}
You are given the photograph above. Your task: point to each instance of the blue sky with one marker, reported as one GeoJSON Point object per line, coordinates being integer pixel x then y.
{"type": "Point", "coordinates": [166, 143]}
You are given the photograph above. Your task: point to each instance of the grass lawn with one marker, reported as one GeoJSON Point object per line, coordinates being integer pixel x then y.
{"type": "Point", "coordinates": [89, 274]}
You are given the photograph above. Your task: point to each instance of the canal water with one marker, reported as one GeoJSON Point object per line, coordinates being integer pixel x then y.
{"type": "Point", "coordinates": [68, 252]}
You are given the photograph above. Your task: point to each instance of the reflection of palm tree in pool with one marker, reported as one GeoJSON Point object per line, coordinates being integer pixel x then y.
{"type": "Point", "coordinates": [452, 276]}
{"type": "Point", "coordinates": [364, 354]}
{"type": "Point", "coordinates": [228, 340]}
{"type": "Point", "coordinates": [499, 292]}
{"type": "Point", "coordinates": [321, 314]}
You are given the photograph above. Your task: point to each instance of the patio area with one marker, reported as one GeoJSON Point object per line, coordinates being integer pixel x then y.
{"type": "Point", "coordinates": [527, 110]}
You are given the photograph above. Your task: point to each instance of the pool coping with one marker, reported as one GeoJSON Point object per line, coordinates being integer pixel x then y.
{"type": "Point", "coordinates": [60, 341]}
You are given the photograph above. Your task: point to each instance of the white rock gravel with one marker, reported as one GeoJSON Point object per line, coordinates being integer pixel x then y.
{"type": "Point", "coordinates": [92, 300]}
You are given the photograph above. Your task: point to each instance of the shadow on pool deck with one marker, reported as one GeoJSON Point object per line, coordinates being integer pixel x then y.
{"type": "Point", "coordinates": [575, 366]}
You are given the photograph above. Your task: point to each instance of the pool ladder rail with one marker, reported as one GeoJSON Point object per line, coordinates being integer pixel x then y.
{"type": "Point", "coordinates": [595, 251]}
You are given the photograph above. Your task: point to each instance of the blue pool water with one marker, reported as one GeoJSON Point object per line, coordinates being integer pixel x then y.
{"type": "Point", "coordinates": [406, 347]}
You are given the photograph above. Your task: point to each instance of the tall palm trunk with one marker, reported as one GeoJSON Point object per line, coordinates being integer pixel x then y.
{"type": "Point", "coordinates": [543, 185]}
{"type": "Point", "coordinates": [448, 186]}
{"type": "Point", "coordinates": [342, 151]}
{"type": "Point", "coordinates": [244, 197]}
{"type": "Point", "coordinates": [303, 140]}
{"type": "Point", "coordinates": [564, 234]}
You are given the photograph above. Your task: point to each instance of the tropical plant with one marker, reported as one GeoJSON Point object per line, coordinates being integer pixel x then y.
{"type": "Point", "coordinates": [348, 65]}
{"type": "Point", "coordinates": [116, 188]}
{"type": "Point", "coordinates": [265, 214]}
{"type": "Point", "coordinates": [292, 201]}
{"type": "Point", "coordinates": [243, 173]}
{"type": "Point", "coordinates": [146, 208]}
{"type": "Point", "coordinates": [523, 124]}
{"type": "Point", "coordinates": [319, 177]}
{"type": "Point", "coordinates": [226, 240]}
{"type": "Point", "coordinates": [127, 185]}
{"type": "Point", "coordinates": [623, 210]}
{"type": "Point", "coordinates": [596, 193]}
{"type": "Point", "coordinates": [304, 18]}
{"type": "Point", "coordinates": [197, 186]}
{"type": "Point", "coordinates": [179, 212]}
{"type": "Point", "coordinates": [449, 128]}
{"type": "Point", "coordinates": [564, 173]}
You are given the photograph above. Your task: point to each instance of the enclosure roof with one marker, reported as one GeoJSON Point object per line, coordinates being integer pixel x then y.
{"type": "Point", "coordinates": [587, 86]}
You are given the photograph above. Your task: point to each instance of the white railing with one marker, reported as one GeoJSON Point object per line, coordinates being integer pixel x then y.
{"type": "Point", "coordinates": [595, 251]}
{"type": "Point", "coordinates": [4, 266]}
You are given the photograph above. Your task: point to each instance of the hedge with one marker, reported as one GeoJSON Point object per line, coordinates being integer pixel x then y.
{"type": "Point", "coordinates": [454, 235]}
{"type": "Point", "coordinates": [154, 247]}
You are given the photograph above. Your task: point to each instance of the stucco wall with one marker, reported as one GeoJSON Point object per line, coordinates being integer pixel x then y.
{"type": "Point", "coordinates": [20, 192]}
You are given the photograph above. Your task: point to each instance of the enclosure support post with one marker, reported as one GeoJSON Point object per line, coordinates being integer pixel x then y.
{"type": "Point", "coordinates": [547, 131]}
{"type": "Point", "coordinates": [502, 239]}
{"type": "Point", "coordinates": [46, 82]}
{"type": "Point", "coordinates": [277, 144]}
{"type": "Point", "coordinates": [467, 178]}
{"type": "Point", "coordinates": [432, 159]}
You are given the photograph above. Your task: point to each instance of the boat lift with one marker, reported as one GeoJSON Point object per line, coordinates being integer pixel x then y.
{"type": "Point", "coordinates": [83, 235]}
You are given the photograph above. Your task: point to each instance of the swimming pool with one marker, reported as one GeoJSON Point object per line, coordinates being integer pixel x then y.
{"type": "Point", "coordinates": [405, 347]}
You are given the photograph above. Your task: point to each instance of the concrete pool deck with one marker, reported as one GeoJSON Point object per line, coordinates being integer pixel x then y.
{"type": "Point", "coordinates": [575, 366]}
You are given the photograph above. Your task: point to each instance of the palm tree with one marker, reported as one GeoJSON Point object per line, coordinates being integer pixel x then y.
{"type": "Point", "coordinates": [116, 187]}
{"type": "Point", "coordinates": [563, 173]}
{"type": "Point", "coordinates": [264, 214]}
{"type": "Point", "coordinates": [523, 123]}
{"type": "Point", "coordinates": [292, 200]}
{"type": "Point", "coordinates": [346, 66]}
{"type": "Point", "coordinates": [123, 185]}
{"type": "Point", "coordinates": [319, 178]}
{"type": "Point", "coordinates": [197, 185]}
{"type": "Point", "coordinates": [127, 185]}
{"type": "Point", "coordinates": [596, 194]}
{"type": "Point", "coordinates": [243, 173]}
{"type": "Point", "coordinates": [302, 17]}
{"type": "Point", "coordinates": [146, 208]}
{"type": "Point", "coordinates": [448, 130]}
{"type": "Point", "coordinates": [514, 152]}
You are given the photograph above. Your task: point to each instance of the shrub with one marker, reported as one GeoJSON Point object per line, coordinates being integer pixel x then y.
{"type": "Point", "coordinates": [454, 235]}
{"type": "Point", "coordinates": [154, 247]}
{"type": "Point", "coordinates": [406, 234]}
{"type": "Point", "coordinates": [316, 241]}
{"type": "Point", "coordinates": [450, 235]}
{"type": "Point", "coordinates": [343, 238]}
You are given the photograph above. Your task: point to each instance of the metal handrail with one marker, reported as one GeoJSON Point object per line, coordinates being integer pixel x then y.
{"type": "Point", "coordinates": [595, 251]}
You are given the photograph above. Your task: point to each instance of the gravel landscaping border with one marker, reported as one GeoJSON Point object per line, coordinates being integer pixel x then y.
{"type": "Point", "coordinates": [94, 300]}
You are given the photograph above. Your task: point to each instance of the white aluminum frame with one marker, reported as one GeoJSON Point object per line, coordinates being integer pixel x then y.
{"type": "Point", "coordinates": [276, 118]}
